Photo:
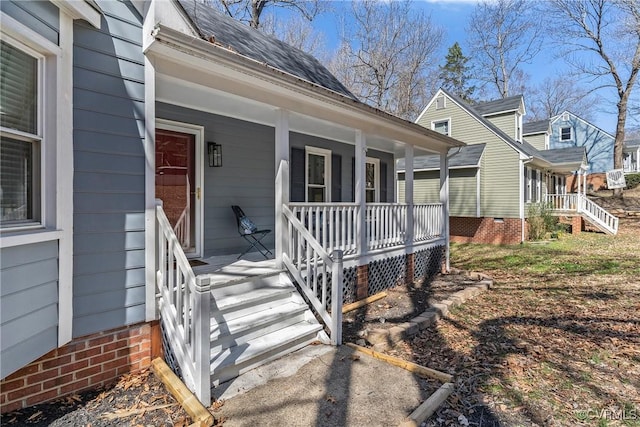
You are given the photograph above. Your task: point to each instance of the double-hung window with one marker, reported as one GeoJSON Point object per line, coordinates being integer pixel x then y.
{"type": "Point", "coordinates": [372, 180]}
{"type": "Point", "coordinates": [566, 134]}
{"type": "Point", "coordinates": [21, 135]}
{"type": "Point", "coordinates": [318, 175]}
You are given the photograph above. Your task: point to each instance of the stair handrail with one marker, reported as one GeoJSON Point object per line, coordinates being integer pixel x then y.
{"type": "Point", "coordinates": [310, 265]}
{"type": "Point", "coordinates": [597, 214]}
{"type": "Point", "coordinates": [184, 302]}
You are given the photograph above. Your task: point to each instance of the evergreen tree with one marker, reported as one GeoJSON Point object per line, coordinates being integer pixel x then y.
{"type": "Point", "coordinates": [455, 74]}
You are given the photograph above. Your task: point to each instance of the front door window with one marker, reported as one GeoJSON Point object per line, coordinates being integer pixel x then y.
{"type": "Point", "coordinates": [318, 175]}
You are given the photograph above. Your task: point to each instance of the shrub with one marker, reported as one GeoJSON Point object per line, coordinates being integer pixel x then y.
{"type": "Point", "coordinates": [633, 180]}
{"type": "Point", "coordinates": [540, 221]}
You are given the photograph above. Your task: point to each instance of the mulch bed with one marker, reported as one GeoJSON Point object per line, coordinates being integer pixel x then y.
{"type": "Point", "coordinates": [135, 400]}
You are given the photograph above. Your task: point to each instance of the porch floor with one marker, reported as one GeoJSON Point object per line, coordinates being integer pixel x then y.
{"type": "Point", "coordinates": [228, 268]}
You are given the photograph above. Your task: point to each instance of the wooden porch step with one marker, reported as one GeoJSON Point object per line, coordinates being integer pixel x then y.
{"type": "Point", "coordinates": [239, 359]}
{"type": "Point", "coordinates": [237, 331]}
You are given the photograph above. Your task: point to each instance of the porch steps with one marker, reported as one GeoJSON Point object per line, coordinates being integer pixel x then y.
{"type": "Point", "coordinates": [255, 321]}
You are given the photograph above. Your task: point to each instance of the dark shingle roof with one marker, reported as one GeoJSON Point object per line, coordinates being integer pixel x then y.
{"type": "Point", "coordinates": [260, 47]}
{"type": "Point", "coordinates": [564, 155]}
{"type": "Point", "coordinates": [498, 105]}
{"type": "Point", "coordinates": [469, 156]}
{"type": "Point", "coordinates": [535, 127]}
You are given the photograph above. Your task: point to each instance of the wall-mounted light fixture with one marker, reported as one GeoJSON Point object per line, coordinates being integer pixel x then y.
{"type": "Point", "coordinates": [215, 154]}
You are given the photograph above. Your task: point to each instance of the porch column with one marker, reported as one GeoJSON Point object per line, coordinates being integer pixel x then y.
{"type": "Point", "coordinates": [360, 195]}
{"type": "Point", "coordinates": [584, 183]}
{"type": "Point", "coordinates": [444, 199]}
{"type": "Point", "coordinates": [408, 195]}
{"type": "Point", "coordinates": [282, 182]}
{"type": "Point", "coordinates": [579, 179]}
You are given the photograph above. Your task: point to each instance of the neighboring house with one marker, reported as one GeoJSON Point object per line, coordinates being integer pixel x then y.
{"type": "Point", "coordinates": [631, 156]}
{"type": "Point", "coordinates": [123, 103]}
{"type": "Point", "coordinates": [496, 176]}
{"type": "Point", "coordinates": [569, 130]}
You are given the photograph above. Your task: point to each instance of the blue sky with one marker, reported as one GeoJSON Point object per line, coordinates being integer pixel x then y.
{"type": "Point", "coordinates": [453, 15]}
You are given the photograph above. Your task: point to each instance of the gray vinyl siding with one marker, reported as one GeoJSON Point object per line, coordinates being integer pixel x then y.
{"type": "Point", "coordinates": [109, 165]}
{"type": "Point", "coordinates": [28, 303]}
{"type": "Point", "coordinates": [500, 177]}
{"type": "Point", "coordinates": [536, 140]}
{"type": "Point", "coordinates": [462, 190]}
{"type": "Point", "coordinates": [505, 122]}
{"type": "Point", "coordinates": [42, 17]}
{"type": "Point", "coordinates": [246, 179]}
{"type": "Point", "coordinates": [347, 154]}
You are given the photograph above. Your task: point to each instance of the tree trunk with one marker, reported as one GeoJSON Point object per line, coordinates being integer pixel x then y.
{"type": "Point", "coordinates": [619, 142]}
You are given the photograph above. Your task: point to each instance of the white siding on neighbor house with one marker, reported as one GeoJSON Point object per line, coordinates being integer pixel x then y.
{"type": "Point", "coordinates": [462, 190]}
{"type": "Point", "coordinates": [500, 177]}
{"type": "Point", "coordinates": [109, 165]}
{"type": "Point", "coordinates": [28, 303]}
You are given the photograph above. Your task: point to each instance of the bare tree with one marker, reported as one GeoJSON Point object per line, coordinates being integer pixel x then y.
{"type": "Point", "coordinates": [602, 41]}
{"type": "Point", "coordinates": [555, 95]}
{"type": "Point", "coordinates": [251, 11]}
{"type": "Point", "coordinates": [387, 56]}
{"type": "Point", "coordinates": [297, 32]}
{"type": "Point", "coordinates": [503, 35]}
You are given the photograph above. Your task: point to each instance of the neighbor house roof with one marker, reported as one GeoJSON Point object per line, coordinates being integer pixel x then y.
{"type": "Point", "coordinates": [487, 108]}
{"type": "Point", "coordinates": [632, 143]}
{"type": "Point", "coordinates": [464, 157]}
{"type": "Point", "coordinates": [220, 29]}
{"type": "Point", "coordinates": [539, 126]}
{"type": "Point", "coordinates": [565, 155]}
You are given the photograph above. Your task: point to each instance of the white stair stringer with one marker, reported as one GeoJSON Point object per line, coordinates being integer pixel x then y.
{"type": "Point", "coordinates": [256, 321]}
{"type": "Point", "coordinates": [598, 216]}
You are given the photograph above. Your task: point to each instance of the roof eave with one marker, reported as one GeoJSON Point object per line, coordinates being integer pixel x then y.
{"type": "Point", "coordinates": [403, 130]}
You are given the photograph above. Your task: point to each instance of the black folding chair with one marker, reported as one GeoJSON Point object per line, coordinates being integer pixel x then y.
{"type": "Point", "coordinates": [248, 230]}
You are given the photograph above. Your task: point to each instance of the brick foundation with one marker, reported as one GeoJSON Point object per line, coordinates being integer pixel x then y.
{"type": "Point", "coordinates": [410, 268]}
{"type": "Point", "coordinates": [507, 231]}
{"type": "Point", "coordinates": [82, 364]}
{"type": "Point", "coordinates": [362, 282]}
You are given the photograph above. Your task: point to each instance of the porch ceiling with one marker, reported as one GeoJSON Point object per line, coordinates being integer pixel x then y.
{"type": "Point", "coordinates": [180, 92]}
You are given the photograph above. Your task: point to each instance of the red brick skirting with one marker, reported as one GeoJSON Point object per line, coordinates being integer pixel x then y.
{"type": "Point", "coordinates": [82, 364]}
{"type": "Point", "coordinates": [504, 231]}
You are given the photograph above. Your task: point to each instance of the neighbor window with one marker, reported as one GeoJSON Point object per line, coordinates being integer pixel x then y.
{"type": "Point", "coordinates": [372, 180]}
{"type": "Point", "coordinates": [441, 126]}
{"type": "Point", "coordinates": [20, 137]}
{"type": "Point", "coordinates": [318, 176]}
{"type": "Point", "coordinates": [565, 134]}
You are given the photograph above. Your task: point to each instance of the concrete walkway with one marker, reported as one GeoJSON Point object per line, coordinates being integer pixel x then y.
{"type": "Point", "coordinates": [323, 386]}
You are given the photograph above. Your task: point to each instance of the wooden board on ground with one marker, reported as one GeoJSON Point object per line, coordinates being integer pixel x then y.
{"type": "Point", "coordinates": [354, 305]}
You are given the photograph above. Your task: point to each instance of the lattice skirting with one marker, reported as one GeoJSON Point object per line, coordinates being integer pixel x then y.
{"type": "Point", "coordinates": [386, 273]}
{"type": "Point", "coordinates": [427, 262]}
{"type": "Point", "coordinates": [348, 286]}
{"type": "Point", "coordinates": [169, 355]}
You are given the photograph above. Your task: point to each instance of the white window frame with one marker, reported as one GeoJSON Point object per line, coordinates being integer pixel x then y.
{"type": "Point", "coordinates": [36, 139]}
{"type": "Point", "coordinates": [56, 154]}
{"type": "Point", "coordinates": [376, 178]}
{"type": "Point", "coordinates": [447, 120]}
{"type": "Point", "coordinates": [570, 133]}
{"type": "Point", "coordinates": [327, 171]}
{"type": "Point", "coordinates": [519, 127]}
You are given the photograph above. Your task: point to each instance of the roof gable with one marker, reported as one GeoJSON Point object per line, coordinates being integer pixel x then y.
{"type": "Point", "coordinates": [554, 119]}
{"type": "Point", "coordinates": [225, 31]}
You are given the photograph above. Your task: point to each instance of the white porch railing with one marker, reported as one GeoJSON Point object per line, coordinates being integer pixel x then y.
{"type": "Point", "coordinates": [580, 204]}
{"type": "Point", "coordinates": [311, 266]}
{"type": "Point", "coordinates": [185, 303]}
{"type": "Point", "coordinates": [427, 221]}
{"type": "Point", "coordinates": [332, 225]}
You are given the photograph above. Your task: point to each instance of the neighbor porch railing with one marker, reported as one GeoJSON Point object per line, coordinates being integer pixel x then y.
{"type": "Point", "coordinates": [318, 274]}
{"type": "Point", "coordinates": [184, 301]}
{"type": "Point", "coordinates": [582, 205]}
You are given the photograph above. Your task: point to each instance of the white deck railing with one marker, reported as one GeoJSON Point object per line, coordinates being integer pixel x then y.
{"type": "Point", "coordinates": [184, 301]}
{"type": "Point", "coordinates": [580, 204]}
{"type": "Point", "coordinates": [386, 224]}
{"type": "Point", "coordinates": [318, 274]}
{"type": "Point", "coordinates": [427, 221]}
{"type": "Point", "coordinates": [332, 225]}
